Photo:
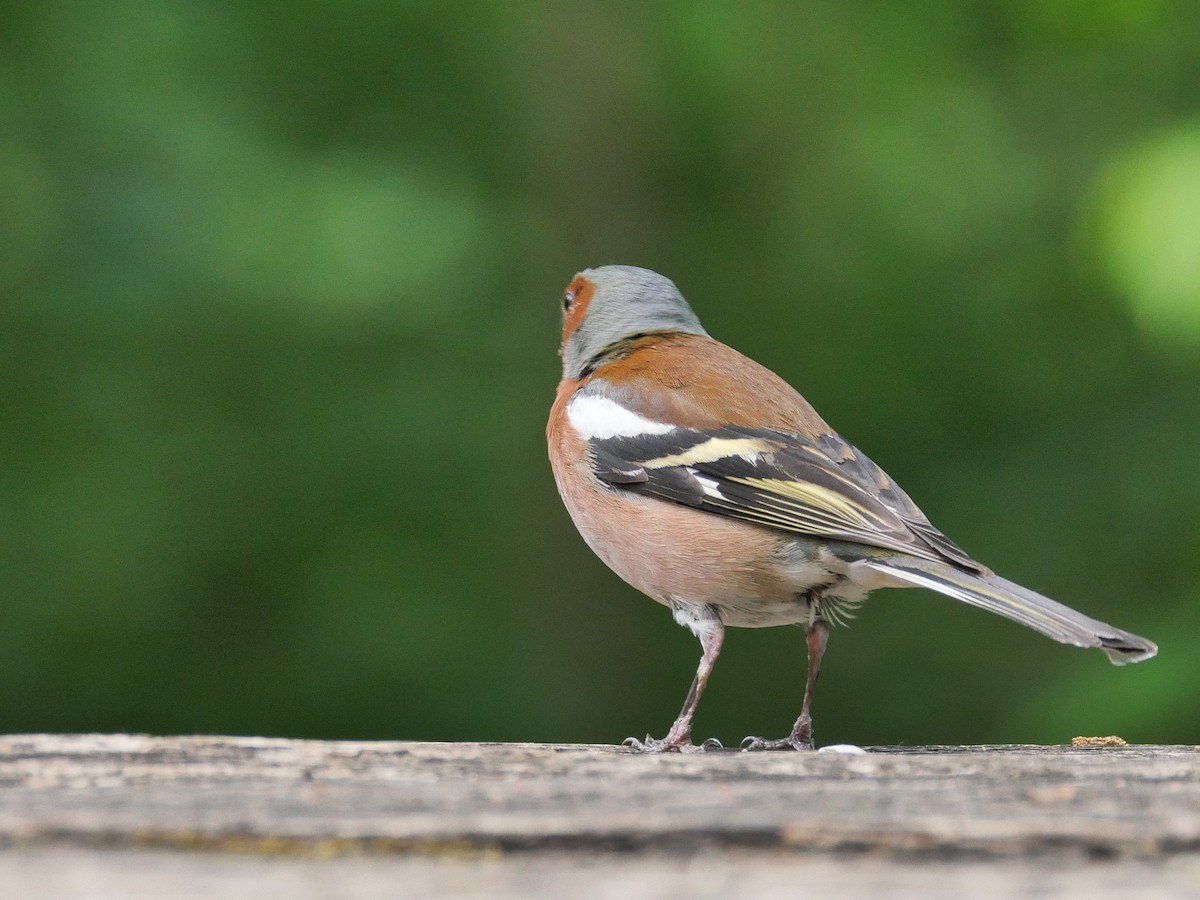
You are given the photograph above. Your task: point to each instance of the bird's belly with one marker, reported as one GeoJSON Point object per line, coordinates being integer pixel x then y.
{"type": "Point", "coordinates": [679, 555]}
{"type": "Point", "coordinates": [766, 613]}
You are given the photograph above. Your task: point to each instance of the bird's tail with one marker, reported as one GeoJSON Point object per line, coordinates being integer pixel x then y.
{"type": "Point", "coordinates": [1003, 597]}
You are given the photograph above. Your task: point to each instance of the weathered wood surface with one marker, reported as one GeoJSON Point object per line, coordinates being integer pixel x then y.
{"type": "Point", "coordinates": [429, 810]}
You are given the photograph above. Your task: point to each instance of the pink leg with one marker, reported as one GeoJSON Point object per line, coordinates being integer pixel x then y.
{"type": "Point", "coordinates": [801, 736]}
{"type": "Point", "coordinates": [679, 738]}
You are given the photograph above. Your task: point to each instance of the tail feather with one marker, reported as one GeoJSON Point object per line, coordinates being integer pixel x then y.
{"type": "Point", "coordinates": [1003, 597]}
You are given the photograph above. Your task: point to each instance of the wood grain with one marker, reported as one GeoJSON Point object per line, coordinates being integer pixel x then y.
{"type": "Point", "coordinates": [424, 804]}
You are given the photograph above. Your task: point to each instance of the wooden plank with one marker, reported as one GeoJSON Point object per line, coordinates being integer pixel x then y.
{"type": "Point", "coordinates": [403, 803]}
{"type": "Point", "coordinates": [71, 873]}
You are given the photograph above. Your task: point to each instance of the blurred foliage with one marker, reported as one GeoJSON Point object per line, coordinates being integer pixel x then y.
{"type": "Point", "coordinates": [278, 303]}
{"type": "Point", "coordinates": [1150, 208]}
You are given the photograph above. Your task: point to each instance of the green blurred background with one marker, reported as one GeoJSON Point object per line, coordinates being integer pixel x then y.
{"type": "Point", "coordinates": [279, 297]}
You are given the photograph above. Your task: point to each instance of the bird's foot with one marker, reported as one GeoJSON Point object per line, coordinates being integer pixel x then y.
{"type": "Point", "coordinates": [799, 739]}
{"type": "Point", "coordinates": [671, 744]}
{"type": "Point", "coordinates": [791, 742]}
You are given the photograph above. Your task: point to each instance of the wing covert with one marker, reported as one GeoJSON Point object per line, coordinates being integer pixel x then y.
{"type": "Point", "coordinates": [823, 487]}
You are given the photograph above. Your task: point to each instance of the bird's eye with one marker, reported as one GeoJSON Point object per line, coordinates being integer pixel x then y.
{"type": "Point", "coordinates": [568, 299]}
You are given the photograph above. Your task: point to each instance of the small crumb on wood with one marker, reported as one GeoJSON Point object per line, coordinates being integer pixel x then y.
{"type": "Point", "coordinates": [1109, 741]}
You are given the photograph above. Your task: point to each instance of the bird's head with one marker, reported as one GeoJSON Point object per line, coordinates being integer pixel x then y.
{"type": "Point", "coordinates": [610, 304]}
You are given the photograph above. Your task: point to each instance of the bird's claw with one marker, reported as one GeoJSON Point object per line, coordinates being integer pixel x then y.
{"type": "Point", "coordinates": [791, 742]}
{"type": "Point", "coordinates": [669, 745]}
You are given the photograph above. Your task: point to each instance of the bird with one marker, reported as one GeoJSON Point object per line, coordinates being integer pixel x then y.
{"type": "Point", "coordinates": [708, 483]}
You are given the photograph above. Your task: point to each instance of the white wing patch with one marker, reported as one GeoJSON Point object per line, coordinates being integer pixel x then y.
{"type": "Point", "coordinates": [599, 418]}
{"type": "Point", "coordinates": [711, 488]}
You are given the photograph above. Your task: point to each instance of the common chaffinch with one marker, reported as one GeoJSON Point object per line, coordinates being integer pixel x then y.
{"type": "Point", "coordinates": [706, 482]}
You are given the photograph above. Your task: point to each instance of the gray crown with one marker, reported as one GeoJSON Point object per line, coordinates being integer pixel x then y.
{"type": "Point", "coordinates": [627, 301]}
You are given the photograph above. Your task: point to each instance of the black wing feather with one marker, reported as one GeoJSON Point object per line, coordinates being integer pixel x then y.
{"type": "Point", "coordinates": [823, 487]}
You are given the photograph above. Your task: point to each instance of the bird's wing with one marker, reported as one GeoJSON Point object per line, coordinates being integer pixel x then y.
{"type": "Point", "coordinates": [820, 486]}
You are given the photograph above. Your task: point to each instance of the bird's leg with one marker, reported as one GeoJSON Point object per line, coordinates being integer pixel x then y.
{"type": "Point", "coordinates": [679, 738]}
{"type": "Point", "coordinates": [817, 638]}
{"type": "Point", "coordinates": [801, 736]}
